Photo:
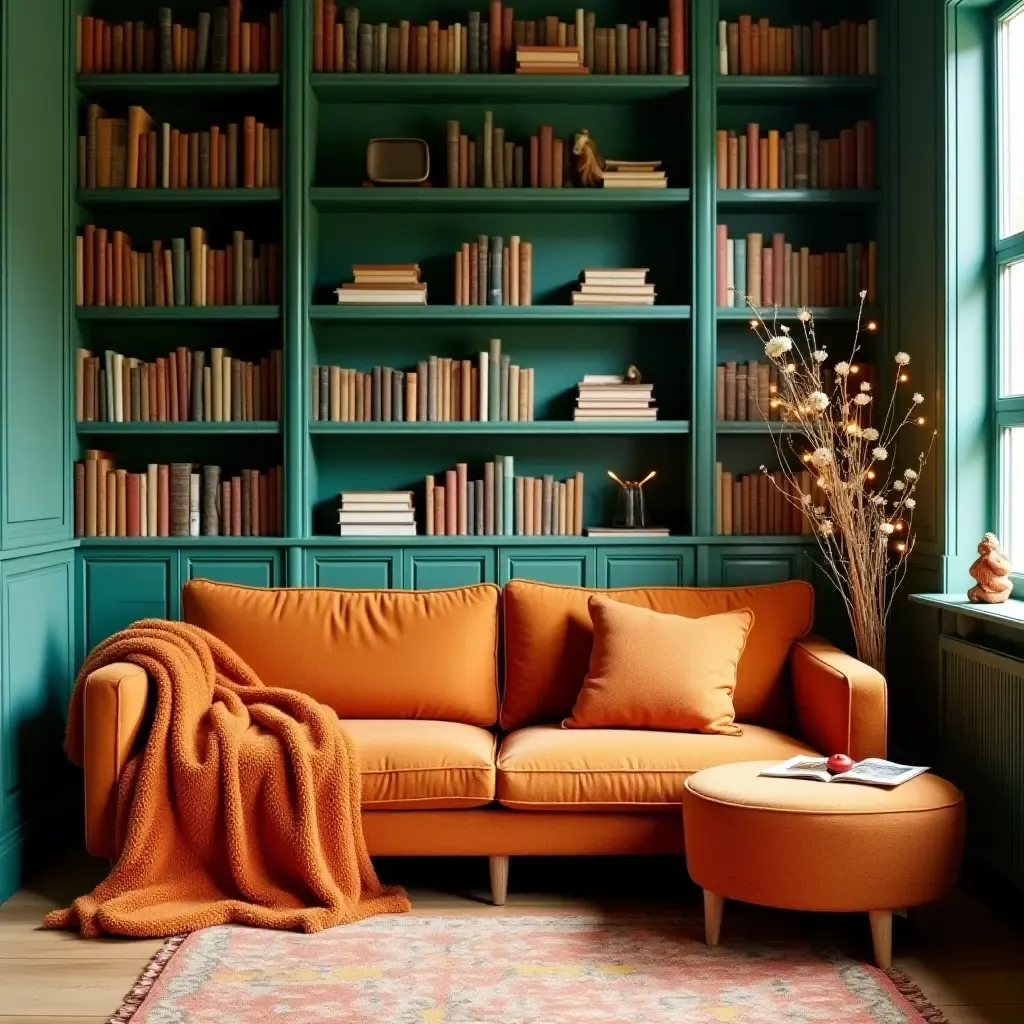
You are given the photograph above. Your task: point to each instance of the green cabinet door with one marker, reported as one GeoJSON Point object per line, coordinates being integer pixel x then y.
{"type": "Point", "coordinates": [738, 566]}
{"type": "Point", "coordinates": [118, 589]}
{"type": "Point", "coordinates": [359, 569]}
{"type": "Point", "coordinates": [450, 567]}
{"type": "Point", "coordinates": [249, 568]}
{"type": "Point", "coordinates": [569, 566]}
{"type": "Point", "coordinates": [645, 567]}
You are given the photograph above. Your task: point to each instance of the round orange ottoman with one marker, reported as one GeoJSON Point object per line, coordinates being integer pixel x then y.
{"type": "Point", "coordinates": [804, 845]}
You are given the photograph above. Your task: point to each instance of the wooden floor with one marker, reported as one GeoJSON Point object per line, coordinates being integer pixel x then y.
{"type": "Point", "coordinates": [967, 960]}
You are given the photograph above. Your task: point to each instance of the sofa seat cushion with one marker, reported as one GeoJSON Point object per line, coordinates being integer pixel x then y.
{"type": "Point", "coordinates": [545, 767]}
{"type": "Point", "coordinates": [414, 764]}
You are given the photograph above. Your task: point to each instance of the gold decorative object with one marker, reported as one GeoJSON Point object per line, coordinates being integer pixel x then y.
{"type": "Point", "coordinates": [589, 165]}
{"type": "Point", "coordinates": [991, 570]}
{"type": "Point", "coordinates": [633, 375]}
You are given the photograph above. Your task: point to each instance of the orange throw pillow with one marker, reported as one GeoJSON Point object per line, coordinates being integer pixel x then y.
{"type": "Point", "coordinates": [649, 670]}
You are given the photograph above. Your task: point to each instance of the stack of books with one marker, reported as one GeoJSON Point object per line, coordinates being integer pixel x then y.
{"type": "Point", "coordinates": [626, 287]}
{"type": "Point", "coordinates": [634, 174]}
{"type": "Point", "coordinates": [604, 396]}
{"type": "Point", "coordinates": [396, 284]}
{"type": "Point", "coordinates": [550, 60]}
{"type": "Point", "coordinates": [376, 514]}
{"type": "Point", "coordinates": [626, 531]}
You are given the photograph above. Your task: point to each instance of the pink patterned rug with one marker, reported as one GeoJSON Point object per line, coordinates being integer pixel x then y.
{"type": "Point", "coordinates": [509, 970]}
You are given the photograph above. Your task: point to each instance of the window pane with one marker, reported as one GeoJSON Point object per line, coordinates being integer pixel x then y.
{"type": "Point", "coordinates": [1011, 137]}
{"type": "Point", "coordinates": [1012, 484]}
{"type": "Point", "coordinates": [1011, 328]}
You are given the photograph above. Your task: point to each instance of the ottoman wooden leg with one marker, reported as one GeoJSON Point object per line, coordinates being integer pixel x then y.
{"type": "Point", "coordinates": [713, 906]}
{"type": "Point", "coordinates": [499, 880]}
{"type": "Point", "coordinates": [881, 937]}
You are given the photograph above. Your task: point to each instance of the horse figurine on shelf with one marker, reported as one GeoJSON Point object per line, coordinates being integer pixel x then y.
{"type": "Point", "coordinates": [589, 164]}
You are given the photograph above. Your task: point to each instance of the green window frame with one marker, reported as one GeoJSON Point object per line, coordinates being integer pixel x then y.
{"type": "Point", "coordinates": [1007, 278]}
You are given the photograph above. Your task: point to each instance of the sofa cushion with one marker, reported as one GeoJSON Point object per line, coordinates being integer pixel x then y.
{"type": "Point", "coordinates": [649, 670]}
{"type": "Point", "coordinates": [417, 765]}
{"type": "Point", "coordinates": [548, 639]}
{"type": "Point", "coordinates": [364, 653]}
{"type": "Point", "coordinates": [547, 768]}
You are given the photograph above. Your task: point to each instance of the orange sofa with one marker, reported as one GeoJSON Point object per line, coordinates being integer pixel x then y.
{"type": "Point", "coordinates": [461, 759]}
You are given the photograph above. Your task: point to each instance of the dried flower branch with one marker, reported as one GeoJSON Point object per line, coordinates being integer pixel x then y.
{"type": "Point", "coordinates": [861, 506]}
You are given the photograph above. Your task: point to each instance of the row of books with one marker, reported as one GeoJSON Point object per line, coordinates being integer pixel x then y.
{"type": "Point", "coordinates": [603, 396]}
{"type": "Point", "coordinates": [779, 274]}
{"type": "Point", "coordinates": [376, 514]}
{"type": "Point", "coordinates": [488, 43]}
{"type": "Point", "coordinates": [175, 500]}
{"type": "Point", "coordinates": [800, 158]}
{"type": "Point", "coordinates": [752, 46]}
{"type": "Point", "coordinates": [439, 390]}
{"type": "Point", "coordinates": [763, 504]}
{"type": "Point", "coordinates": [219, 41]}
{"type": "Point", "coordinates": [493, 161]}
{"type": "Point", "coordinates": [503, 504]}
{"type": "Point", "coordinates": [184, 385]}
{"type": "Point", "coordinates": [109, 272]}
{"type": "Point", "coordinates": [494, 272]}
{"type": "Point", "coordinates": [393, 284]}
{"type": "Point", "coordinates": [746, 391]}
{"type": "Point", "coordinates": [614, 286]}
{"type": "Point", "coordinates": [135, 152]}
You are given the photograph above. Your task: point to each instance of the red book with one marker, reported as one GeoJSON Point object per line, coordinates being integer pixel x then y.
{"type": "Point", "coordinates": [495, 36]}
{"type": "Point", "coordinates": [108, 62]}
{"type": "Point", "coordinates": [677, 50]}
{"type": "Point", "coordinates": [746, 40]}
{"type": "Point", "coordinates": [163, 500]}
{"type": "Point", "coordinates": [753, 155]}
{"type": "Point", "coordinates": [88, 44]}
{"type": "Point", "coordinates": [234, 35]}
{"type": "Point", "coordinates": [722, 265]}
{"type": "Point", "coordinates": [508, 57]}
{"type": "Point", "coordinates": [132, 505]}
{"type": "Point", "coordinates": [547, 141]}
{"type": "Point", "coordinates": [330, 19]}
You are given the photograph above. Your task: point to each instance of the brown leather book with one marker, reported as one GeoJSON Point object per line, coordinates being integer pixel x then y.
{"type": "Point", "coordinates": [234, 35]}
{"type": "Point", "coordinates": [557, 162]}
{"type": "Point", "coordinates": [249, 152]}
{"type": "Point", "coordinates": [193, 160]}
{"type": "Point", "coordinates": [260, 161]}
{"type": "Point", "coordinates": [213, 158]}
{"type": "Point", "coordinates": [546, 147]}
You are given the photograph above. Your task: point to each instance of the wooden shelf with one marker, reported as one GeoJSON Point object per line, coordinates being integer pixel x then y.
{"type": "Point", "coordinates": [208, 83]}
{"type": "Point", "coordinates": [508, 429]}
{"type": "Point", "coordinates": [150, 197]}
{"type": "Point", "coordinates": [499, 314]}
{"type": "Point", "coordinates": [206, 429]}
{"type": "Point", "coordinates": [762, 198]}
{"type": "Point", "coordinates": [838, 314]}
{"type": "Point", "coordinates": [398, 88]}
{"type": "Point", "coordinates": [541, 200]}
{"type": "Point", "coordinates": [138, 313]}
{"type": "Point", "coordinates": [772, 88]}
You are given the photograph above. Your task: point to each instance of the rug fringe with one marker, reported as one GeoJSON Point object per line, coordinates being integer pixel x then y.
{"type": "Point", "coordinates": [134, 999]}
{"type": "Point", "coordinates": [911, 991]}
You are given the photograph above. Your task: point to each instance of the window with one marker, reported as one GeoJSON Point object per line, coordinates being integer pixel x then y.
{"type": "Point", "coordinates": [1009, 271]}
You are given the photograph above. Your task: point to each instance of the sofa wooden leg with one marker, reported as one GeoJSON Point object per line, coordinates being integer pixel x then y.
{"type": "Point", "coordinates": [881, 937]}
{"type": "Point", "coordinates": [713, 907]}
{"type": "Point", "coordinates": [499, 880]}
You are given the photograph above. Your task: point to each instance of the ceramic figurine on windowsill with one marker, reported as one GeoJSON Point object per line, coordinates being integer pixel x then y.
{"type": "Point", "coordinates": [991, 570]}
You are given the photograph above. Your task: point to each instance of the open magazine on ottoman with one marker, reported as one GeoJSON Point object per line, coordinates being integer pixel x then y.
{"type": "Point", "coordinates": [872, 771]}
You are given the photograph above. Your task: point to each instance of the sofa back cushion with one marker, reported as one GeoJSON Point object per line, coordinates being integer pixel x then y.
{"type": "Point", "coordinates": [549, 636]}
{"type": "Point", "coordinates": [364, 653]}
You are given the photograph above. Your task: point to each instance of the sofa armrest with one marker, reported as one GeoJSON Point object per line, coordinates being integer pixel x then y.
{"type": "Point", "coordinates": [841, 703]}
{"type": "Point", "coordinates": [114, 709]}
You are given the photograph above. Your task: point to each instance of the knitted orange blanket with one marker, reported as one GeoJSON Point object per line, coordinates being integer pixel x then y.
{"type": "Point", "coordinates": [242, 807]}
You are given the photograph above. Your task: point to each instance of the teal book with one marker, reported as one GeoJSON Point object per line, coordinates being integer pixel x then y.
{"type": "Point", "coordinates": [494, 380]}
{"type": "Point", "coordinates": [508, 495]}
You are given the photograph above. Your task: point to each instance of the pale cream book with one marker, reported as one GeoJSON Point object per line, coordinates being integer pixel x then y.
{"type": "Point", "coordinates": [635, 183]}
{"type": "Point", "coordinates": [378, 530]}
{"type": "Point", "coordinates": [355, 518]}
{"type": "Point", "coordinates": [579, 299]}
{"type": "Point", "coordinates": [381, 298]}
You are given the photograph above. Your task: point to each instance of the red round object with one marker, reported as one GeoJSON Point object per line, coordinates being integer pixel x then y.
{"type": "Point", "coordinates": [839, 763]}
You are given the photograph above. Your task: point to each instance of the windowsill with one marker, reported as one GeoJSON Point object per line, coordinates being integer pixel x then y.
{"type": "Point", "coordinates": [1009, 615]}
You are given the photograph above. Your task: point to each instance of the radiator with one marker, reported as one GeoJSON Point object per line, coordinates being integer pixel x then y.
{"type": "Point", "coordinates": [981, 725]}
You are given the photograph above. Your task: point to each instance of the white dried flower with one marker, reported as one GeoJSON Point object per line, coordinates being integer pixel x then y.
{"type": "Point", "coordinates": [789, 368]}
{"type": "Point", "coordinates": [805, 499]}
{"type": "Point", "coordinates": [784, 329]}
{"type": "Point", "coordinates": [910, 474]}
{"type": "Point", "coordinates": [861, 399]}
{"type": "Point", "coordinates": [777, 347]}
{"type": "Point", "coordinates": [804, 316]}
{"type": "Point", "coordinates": [865, 386]}
{"type": "Point", "coordinates": [842, 369]}
{"type": "Point", "coordinates": [898, 485]}
{"type": "Point", "coordinates": [918, 398]}
{"type": "Point", "coordinates": [911, 503]}
{"type": "Point", "coordinates": [826, 527]}
{"type": "Point", "coordinates": [902, 358]}
{"type": "Point", "coordinates": [880, 454]}
{"type": "Point", "coordinates": [878, 500]}
{"type": "Point", "coordinates": [863, 293]}
{"type": "Point", "coordinates": [821, 457]}
{"type": "Point", "coordinates": [886, 528]}
{"type": "Point", "coordinates": [819, 355]}
{"type": "Point", "coordinates": [870, 434]}
{"type": "Point", "coordinates": [817, 401]}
